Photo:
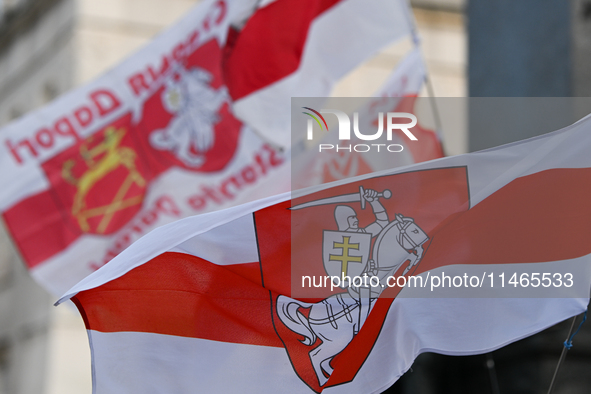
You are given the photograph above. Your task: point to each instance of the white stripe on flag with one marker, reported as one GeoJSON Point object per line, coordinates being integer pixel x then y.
{"type": "Point", "coordinates": [212, 245]}
{"type": "Point", "coordinates": [139, 368]}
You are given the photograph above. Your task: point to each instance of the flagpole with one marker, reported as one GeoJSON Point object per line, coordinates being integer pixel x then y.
{"type": "Point", "coordinates": [431, 93]}
{"type": "Point", "coordinates": [562, 356]}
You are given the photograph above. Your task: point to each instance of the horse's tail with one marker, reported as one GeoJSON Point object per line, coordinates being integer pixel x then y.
{"type": "Point", "coordinates": [288, 311]}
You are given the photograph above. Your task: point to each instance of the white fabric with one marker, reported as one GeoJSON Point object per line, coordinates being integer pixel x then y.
{"type": "Point", "coordinates": [124, 362]}
{"type": "Point", "coordinates": [407, 78]}
{"type": "Point", "coordinates": [210, 245]}
{"type": "Point", "coordinates": [458, 327]}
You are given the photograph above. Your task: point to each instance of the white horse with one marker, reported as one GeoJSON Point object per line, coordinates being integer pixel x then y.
{"type": "Point", "coordinates": [336, 320]}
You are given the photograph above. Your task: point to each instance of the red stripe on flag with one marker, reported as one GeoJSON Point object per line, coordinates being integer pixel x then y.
{"type": "Point", "coordinates": [37, 225]}
{"type": "Point", "coordinates": [252, 63]}
{"type": "Point", "coordinates": [183, 295]}
{"type": "Point", "coordinates": [536, 218]}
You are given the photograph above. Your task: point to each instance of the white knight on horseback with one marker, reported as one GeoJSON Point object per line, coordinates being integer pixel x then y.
{"type": "Point", "coordinates": [195, 105]}
{"type": "Point", "coordinates": [346, 255]}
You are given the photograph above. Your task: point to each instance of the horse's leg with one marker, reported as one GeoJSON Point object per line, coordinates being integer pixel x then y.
{"type": "Point", "coordinates": [316, 359]}
{"type": "Point", "coordinates": [322, 355]}
{"type": "Point", "coordinates": [184, 151]}
{"type": "Point", "coordinates": [325, 364]}
{"type": "Point", "coordinates": [412, 261]}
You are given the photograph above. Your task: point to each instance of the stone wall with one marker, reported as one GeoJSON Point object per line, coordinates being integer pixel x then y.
{"type": "Point", "coordinates": [35, 64]}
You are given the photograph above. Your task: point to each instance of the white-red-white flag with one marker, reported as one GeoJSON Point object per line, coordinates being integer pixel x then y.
{"type": "Point", "coordinates": [308, 45]}
{"type": "Point", "coordinates": [149, 142]}
{"type": "Point", "coordinates": [406, 83]}
{"type": "Point", "coordinates": [398, 94]}
{"type": "Point", "coordinates": [238, 300]}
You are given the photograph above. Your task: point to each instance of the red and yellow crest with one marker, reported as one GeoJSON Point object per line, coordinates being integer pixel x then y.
{"type": "Point", "coordinates": [100, 182]}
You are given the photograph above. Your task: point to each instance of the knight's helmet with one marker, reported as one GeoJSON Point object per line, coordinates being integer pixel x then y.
{"type": "Point", "coordinates": [341, 214]}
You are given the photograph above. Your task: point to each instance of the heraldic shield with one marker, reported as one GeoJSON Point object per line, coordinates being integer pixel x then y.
{"type": "Point", "coordinates": [345, 253]}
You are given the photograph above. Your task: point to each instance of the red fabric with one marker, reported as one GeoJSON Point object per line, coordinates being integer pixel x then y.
{"type": "Point", "coordinates": [541, 217]}
{"type": "Point", "coordinates": [37, 227]}
{"type": "Point", "coordinates": [251, 63]}
{"type": "Point", "coordinates": [180, 294]}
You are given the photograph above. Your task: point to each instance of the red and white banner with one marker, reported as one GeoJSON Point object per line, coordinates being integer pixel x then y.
{"type": "Point", "coordinates": [149, 142]}
{"type": "Point", "coordinates": [309, 45]}
{"type": "Point", "coordinates": [208, 301]}
{"type": "Point", "coordinates": [398, 94]}
{"type": "Point", "coordinates": [155, 138]}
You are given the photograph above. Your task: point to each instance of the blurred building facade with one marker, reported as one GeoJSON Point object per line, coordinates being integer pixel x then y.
{"type": "Point", "coordinates": [35, 66]}
{"type": "Point", "coordinates": [48, 47]}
